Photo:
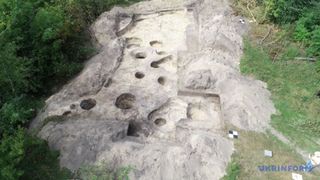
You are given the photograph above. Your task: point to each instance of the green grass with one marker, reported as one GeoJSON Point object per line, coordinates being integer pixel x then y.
{"type": "Point", "coordinates": [249, 154]}
{"type": "Point", "coordinates": [233, 171]}
{"type": "Point", "coordinates": [103, 172]}
{"type": "Point", "coordinates": [293, 85]}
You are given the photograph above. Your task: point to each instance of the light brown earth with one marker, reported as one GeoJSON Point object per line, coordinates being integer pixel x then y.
{"type": "Point", "coordinates": [159, 93]}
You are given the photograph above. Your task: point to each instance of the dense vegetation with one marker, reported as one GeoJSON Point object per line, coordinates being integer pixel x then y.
{"type": "Point", "coordinates": [300, 20]}
{"type": "Point", "coordinates": [305, 15]}
{"type": "Point", "coordinates": [42, 44]}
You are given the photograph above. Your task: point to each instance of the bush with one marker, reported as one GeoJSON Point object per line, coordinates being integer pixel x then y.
{"type": "Point", "coordinates": [233, 171]}
{"type": "Point", "coordinates": [306, 17]}
{"type": "Point", "coordinates": [49, 39]}
{"type": "Point", "coordinates": [314, 45]}
{"type": "Point", "coordinates": [11, 155]}
{"type": "Point", "coordinates": [286, 11]}
{"type": "Point", "coordinates": [39, 162]}
{"type": "Point", "coordinates": [17, 113]}
{"type": "Point", "coordinates": [301, 32]}
{"type": "Point", "coordinates": [14, 73]}
{"type": "Point", "coordinates": [25, 157]}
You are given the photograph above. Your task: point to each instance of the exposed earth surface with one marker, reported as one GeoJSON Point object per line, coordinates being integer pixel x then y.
{"type": "Point", "coordinates": [159, 94]}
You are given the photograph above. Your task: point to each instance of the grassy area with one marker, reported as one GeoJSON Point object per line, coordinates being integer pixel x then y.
{"type": "Point", "coordinates": [249, 155]}
{"type": "Point", "coordinates": [294, 85]}
{"type": "Point", "coordinates": [103, 172]}
{"type": "Point", "coordinates": [269, 55]}
{"type": "Point", "coordinates": [233, 170]}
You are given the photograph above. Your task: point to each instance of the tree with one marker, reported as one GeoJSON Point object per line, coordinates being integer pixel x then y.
{"type": "Point", "coordinates": [286, 11]}
{"type": "Point", "coordinates": [11, 154]}
{"type": "Point", "coordinates": [14, 72]}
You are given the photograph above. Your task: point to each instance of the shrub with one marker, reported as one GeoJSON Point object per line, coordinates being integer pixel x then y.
{"type": "Point", "coordinates": [11, 154]}
{"type": "Point", "coordinates": [286, 11]}
{"type": "Point", "coordinates": [39, 162]}
{"type": "Point", "coordinates": [14, 72]}
{"type": "Point", "coordinates": [301, 32]}
{"type": "Point", "coordinates": [233, 171]}
{"type": "Point", "coordinates": [17, 113]}
{"type": "Point", "coordinates": [314, 46]}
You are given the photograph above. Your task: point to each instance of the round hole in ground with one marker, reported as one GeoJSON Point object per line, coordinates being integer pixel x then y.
{"type": "Point", "coordinates": [139, 75]}
{"type": "Point", "coordinates": [133, 40]}
{"type": "Point", "coordinates": [66, 113]}
{"type": "Point", "coordinates": [154, 64]}
{"type": "Point", "coordinates": [155, 43]}
{"type": "Point", "coordinates": [125, 101]}
{"type": "Point", "coordinates": [72, 106]}
{"type": "Point", "coordinates": [161, 52]}
{"type": "Point", "coordinates": [129, 46]}
{"type": "Point", "coordinates": [88, 104]}
{"type": "Point", "coordinates": [141, 55]}
{"type": "Point", "coordinates": [109, 82]}
{"type": "Point", "coordinates": [160, 122]}
{"type": "Point", "coordinates": [161, 80]}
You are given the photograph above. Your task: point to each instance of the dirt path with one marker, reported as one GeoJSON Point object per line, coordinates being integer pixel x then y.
{"type": "Point", "coordinates": [285, 140]}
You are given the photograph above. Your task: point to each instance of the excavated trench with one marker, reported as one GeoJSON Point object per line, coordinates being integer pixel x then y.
{"type": "Point", "coordinates": [159, 94]}
{"type": "Point", "coordinates": [153, 45]}
{"type": "Point", "coordinates": [158, 38]}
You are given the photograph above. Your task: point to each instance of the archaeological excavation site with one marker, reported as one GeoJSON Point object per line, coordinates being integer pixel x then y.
{"type": "Point", "coordinates": [160, 93]}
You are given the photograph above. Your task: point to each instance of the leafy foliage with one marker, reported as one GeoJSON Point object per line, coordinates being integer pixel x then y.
{"type": "Point", "coordinates": [314, 46]}
{"type": "Point", "coordinates": [14, 72]}
{"type": "Point", "coordinates": [301, 32]}
{"type": "Point", "coordinates": [16, 113]}
{"type": "Point", "coordinates": [40, 162]}
{"type": "Point", "coordinates": [25, 157]}
{"type": "Point", "coordinates": [300, 18]}
{"type": "Point", "coordinates": [42, 43]}
{"type": "Point", "coordinates": [305, 15]}
{"type": "Point", "coordinates": [233, 171]}
{"type": "Point", "coordinates": [11, 154]}
{"type": "Point", "coordinates": [286, 11]}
